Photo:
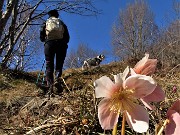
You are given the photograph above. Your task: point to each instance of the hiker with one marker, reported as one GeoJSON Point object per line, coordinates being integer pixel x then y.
{"type": "Point", "coordinates": [54, 33]}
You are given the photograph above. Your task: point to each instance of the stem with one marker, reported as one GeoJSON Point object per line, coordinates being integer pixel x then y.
{"type": "Point", "coordinates": [123, 125]}
{"type": "Point", "coordinates": [114, 132]}
{"type": "Point", "coordinates": [163, 126]}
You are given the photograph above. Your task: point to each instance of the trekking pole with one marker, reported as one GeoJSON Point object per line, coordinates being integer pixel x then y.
{"type": "Point", "coordinates": [43, 77]}
{"type": "Point", "coordinates": [40, 72]}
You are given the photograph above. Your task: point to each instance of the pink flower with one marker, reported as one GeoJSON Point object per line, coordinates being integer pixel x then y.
{"type": "Point", "coordinates": [122, 97]}
{"type": "Point", "coordinates": [174, 89]}
{"type": "Point", "coordinates": [173, 114]}
{"type": "Point", "coordinates": [147, 66]}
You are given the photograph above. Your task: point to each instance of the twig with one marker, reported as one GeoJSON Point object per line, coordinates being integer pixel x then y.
{"type": "Point", "coordinates": [42, 127]}
{"type": "Point", "coordinates": [61, 119]}
{"type": "Point", "coordinates": [65, 84]}
{"type": "Point", "coordinates": [174, 67]}
{"type": "Point", "coordinates": [166, 47]}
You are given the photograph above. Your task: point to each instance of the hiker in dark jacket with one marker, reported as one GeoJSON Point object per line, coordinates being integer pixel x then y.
{"type": "Point", "coordinates": [55, 46]}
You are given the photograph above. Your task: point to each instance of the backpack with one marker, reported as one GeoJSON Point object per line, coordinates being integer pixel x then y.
{"type": "Point", "coordinates": [54, 28]}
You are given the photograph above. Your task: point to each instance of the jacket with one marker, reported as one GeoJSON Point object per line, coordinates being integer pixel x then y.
{"type": "Point", "coordinates": [43, 38]}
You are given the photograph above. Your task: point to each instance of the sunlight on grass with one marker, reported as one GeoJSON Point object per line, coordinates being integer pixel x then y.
{"type": "Point", "coordinates": [76, 110]}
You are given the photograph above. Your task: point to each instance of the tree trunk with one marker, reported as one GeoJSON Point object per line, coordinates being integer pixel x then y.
{"type": "Point", "coordinates": [12, 33]}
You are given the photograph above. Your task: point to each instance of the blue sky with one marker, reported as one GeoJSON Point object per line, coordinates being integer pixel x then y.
{"type": "Point", "coordinates": [95, 31]}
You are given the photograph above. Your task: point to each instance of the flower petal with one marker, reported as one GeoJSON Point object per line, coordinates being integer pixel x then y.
{"type": "Point", "coordinates": [138, 67]}
{"type": "Point", "coordinates": [103, 87]}
{"type": "Point", "coordinates": [138, 119]}
{"type": "Point", "coordinates": [132, 71]}
{"type": "Point", "coordinates": [145, 66]}
{"type": "Point", "coordinates": [175, 107]}
{"type": "Point", "coordinates": [119, 78]}
{"type": "Point", "coordinates": [173, 127]}
{"type": "Point", "coordinates": [142, 85]}
{"type": "Point", "coordinates": [147, 104]}
{"type": "Point", "coordinates": [107, 118]}
{"type": "Point", "coordinates": [142, 61]}
{"type": "Point", "coordinates": [157, 95]}
{"type": "Point", "coordinates": [149, 67]}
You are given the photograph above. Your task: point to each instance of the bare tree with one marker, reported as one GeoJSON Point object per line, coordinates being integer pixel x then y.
{"type": "Point", "coordinates": [19, 16]}
{"type": "Point", "coordinates": [27, 49]}
{"type": "Point", "coordinates": [76, 58]}
{"type": "Point", "coordinates": [166, 49]}
{"type": "Point", "coordinates": [134, 31]}
{"type": "Point", "coordinates": [171, 53]}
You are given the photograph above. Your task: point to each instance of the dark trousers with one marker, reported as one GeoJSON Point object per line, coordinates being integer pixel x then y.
{"type": "Point", "coordinates": [54, 48]}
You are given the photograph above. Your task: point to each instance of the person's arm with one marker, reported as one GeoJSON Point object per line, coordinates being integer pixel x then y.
{"type": "Point", "coordinates": [66, 35]}
{"type": "Point", "coordinates": [43, 32]}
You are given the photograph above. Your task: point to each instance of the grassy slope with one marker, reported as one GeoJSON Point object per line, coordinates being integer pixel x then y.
{"type": "Point", "coordinates": [76, 110]}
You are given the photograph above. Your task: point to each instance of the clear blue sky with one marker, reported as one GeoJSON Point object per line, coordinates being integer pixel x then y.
{"type": "Point", "coordinates": [95, 31]}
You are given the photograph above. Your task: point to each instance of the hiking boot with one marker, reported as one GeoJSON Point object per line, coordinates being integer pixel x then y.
{"type": "Point", "coordinates": [40, 93]}
{"type": "Point", "coordinates": [50, 92]}
{"type": "Point", "coordinates": [44, 88]}
{"type": "Point", "coordinates": [58, 88]}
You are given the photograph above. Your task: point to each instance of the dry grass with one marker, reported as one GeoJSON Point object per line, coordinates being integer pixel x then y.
{"type": "Point", "coordinates": [75, 112]}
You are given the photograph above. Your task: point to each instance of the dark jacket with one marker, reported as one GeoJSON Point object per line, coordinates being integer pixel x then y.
{"type": "Point", "coordinates": [43, 38]}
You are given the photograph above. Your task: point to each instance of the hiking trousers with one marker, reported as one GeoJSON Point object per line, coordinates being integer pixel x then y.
{"type": "Point", "coordinates": [52, 49]}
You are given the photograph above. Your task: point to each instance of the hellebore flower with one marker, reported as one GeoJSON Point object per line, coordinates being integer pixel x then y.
{"type": "Point", "coordinates": [173, 115]}
{"type": "Point", "coordinates": [121, 97]}
{"type": "Point", "coordinates": [147, 66]}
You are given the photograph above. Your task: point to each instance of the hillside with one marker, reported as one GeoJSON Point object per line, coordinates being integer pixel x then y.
{"type": "Point", "coordinates": [73, 113]}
